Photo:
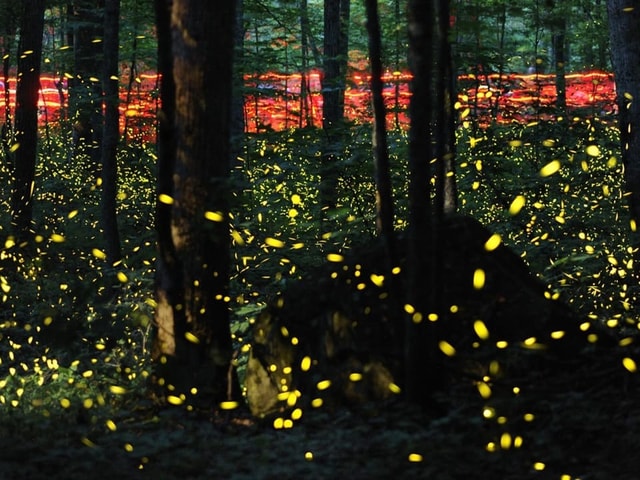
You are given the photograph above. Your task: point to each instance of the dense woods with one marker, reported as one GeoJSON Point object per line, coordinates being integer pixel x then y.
{"type": "Point", "coordinates": [310, 239]}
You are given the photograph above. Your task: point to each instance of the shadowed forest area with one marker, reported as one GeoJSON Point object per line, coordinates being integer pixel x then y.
{"type": "Point", "coordinates": [263, 239]}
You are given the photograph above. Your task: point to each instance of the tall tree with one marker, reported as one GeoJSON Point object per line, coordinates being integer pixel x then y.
{"type": "Point", "coordinates": [624, 23]}
{"type": "Point", "coordinates": [193, 340]}
{"type": "Point", "coordinates": [111, 133]}
{"type": "Point", "coordinates": [430, 156]}
{"type": "Point", "coordinates": [85, 92]}
{"type": "Point", "coordinates": [26, 126]}
{"type": "Point", "coordinates": [384, 195]}
{"type": "Point", "coordinates": [336, 23]}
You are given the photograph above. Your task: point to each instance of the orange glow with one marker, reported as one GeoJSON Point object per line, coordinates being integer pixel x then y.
{"type": "Point", "coordinates": [273, 101]}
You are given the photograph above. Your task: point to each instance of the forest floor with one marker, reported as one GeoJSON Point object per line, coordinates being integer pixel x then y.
{"type": "Point", "coordinates": [582, 421]}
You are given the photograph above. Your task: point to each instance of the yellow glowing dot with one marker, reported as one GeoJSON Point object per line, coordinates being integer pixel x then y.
{"type": "Point", "coordinates": [409, 309]}
{"type": "Point", "coordinates": [296, 414]}
{"type": "Point", "coordinates": [229, 405]}
{"type": "Point", "coordinates": [493, 242]}
{"type": "Point", "coordinates": [415, 457]}
{"type": "Point", "coordinates": [491, 447]}
{"type": "Point", "coordinates": [111, 425]}
{"type": "Point", "coordinates": [558, 334]}
{"type": "Point", "coordinates": [308, 456]}
{"type": "Point", "coordinates": [323, 384]}
{"type": "Point", "coordinates": [65, 403]}
{"type": "Point", "coordinates": [214, 216]}
{"type": "Point", "coordinates": [478, 279]}
{"type": "Point", "coordinates": [305, 364]}
{"type": "Point", "coordinates": [122, 277]}
{"type": "Point", "coordinates": [293, 213]}
{"type": "Point", "coordinates": [117, 390]}
{"type": "Point", "coordinates": [488, 412]}
{"type": "Point", "coordinates": [274, 242]}
{"type": "Point", "coordinates": [515, 143]}
{"type": "Point", "coordinates": [128, 447]}
{"type": "Point", "coordinates": [278, 423]}
{"type": "Point", "coordinates": [175, 400]}
{"type": "Point", "coordinates": [355, 377]}
{"type": "Point", "coordinates": [166, 199]}
{"type": "Point", "coordinates": [481, 329]}
{"type": "Point", "coordinates": [335, 257]}
{"type": "Point", "coordinates": [505, 441]}
{"type": "Point", "coordinates": [377, 280]}
{"type": "Point", "coordinates": [550, 168]}
{"type": "Point", "coordinates": [87, 443]}
{"type": "Point", "coordinates": [317, 402]}
{"type": "Point", "coordinates": [629, 364]}
{"type": "Point", "coordinates": [539, 466]}
{"type": "Point", "coordinates": [99, 254]}
{"type": "Point", "coordinates": [295, 199]}
{"type": "Point", "coordinates": [57, 238]}
{"type": "Point", "coordinates": [191, 338]}
{"type": "Point", "coordinates": [593, 151]}
{"type": "Point", "coordinates": [393, 388]}
{"type": "Point", "coordinates": [484, 390]}
{"type": "Point", "coordinates": [447, 348]}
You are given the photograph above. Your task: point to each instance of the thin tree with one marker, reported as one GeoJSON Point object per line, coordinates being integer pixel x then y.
{"type": "Point", "coordinates": [111, 134]}
{"type": "Point", "coordinates": [336, 22]}
{"type": "Point", "coordinates": [384, 192]}
{"type": "Point", "coordinates": [624, 22]}
{"type": "Point", "coordinates": [193, 341]}
{"type": "Point", "coordinates": [85, 92]}
{"type": "Point", "coordinates": [26, 116]}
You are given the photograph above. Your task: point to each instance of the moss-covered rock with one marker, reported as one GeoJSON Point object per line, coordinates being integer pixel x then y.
{"type": "Point", "coordinates": [337, 336]}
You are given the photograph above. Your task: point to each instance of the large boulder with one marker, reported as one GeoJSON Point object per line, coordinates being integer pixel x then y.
{"type": "Point", "coordinates": [337, 335]}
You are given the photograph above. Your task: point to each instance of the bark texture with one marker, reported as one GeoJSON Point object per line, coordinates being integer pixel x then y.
{"type": "Point", "coordinates": [624, 28]}
{"type": "Point", "coordinates": [26, 126]}
{"type": "Point", "coordinates": [193, 344]}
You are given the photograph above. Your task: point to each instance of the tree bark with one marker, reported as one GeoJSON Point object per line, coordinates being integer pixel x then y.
{"type": "Point", "coordinates": [429, 152]}
{"type": "Point", "coordinates": [384, 194]}
{"type": "Point", "coordinates": [193, 342]}
{"type": "Point", "coordinates": [111, 132]}
{"type": "Point", "coordinates": [85, 95]}
{"type": "Point", "coordinates": [624, 23]}
{"type": "Point", "coordinates": [332, 107]}
{"type": "Point", "coordinates": [26, 126]}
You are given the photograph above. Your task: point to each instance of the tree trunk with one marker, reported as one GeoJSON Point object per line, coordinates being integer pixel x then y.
{"type": "Point", "coordinates": [111, 133]}
{"type": "Point", "coordinates": [332, 107]}
{"type": "Point", "coordinates": [85, 95]}
{"type": "Point", "coordinates": [193, 342]}
{"type": "Point", "coordinates": [624, 23]}
{"type": "Point", "coordinates": [559, 38]}
{"type": "Point", "coordinates": [384, 194]}
{"type": "Point", "coordinates": [428, 59]}
{"type": "Point", "coordinates": [26, 127]}
{"type": "Point", "coordinates": [237, 105]}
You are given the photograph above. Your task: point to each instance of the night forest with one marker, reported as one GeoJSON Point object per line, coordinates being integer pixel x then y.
{"type": "Point", "coordinates": [258, 239]}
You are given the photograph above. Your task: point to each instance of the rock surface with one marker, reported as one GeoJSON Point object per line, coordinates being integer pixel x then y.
{"type": "Point", "coordinates": [335, 337]}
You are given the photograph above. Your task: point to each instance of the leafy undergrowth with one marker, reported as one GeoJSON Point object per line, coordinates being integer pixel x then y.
{"type": "Point", "coordinates": [75, 334]}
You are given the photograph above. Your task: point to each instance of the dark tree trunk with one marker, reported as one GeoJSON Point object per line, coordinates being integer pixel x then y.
{"type": "Point", "coordinates": [85, 95]}
{"type": "Point", "coordinates": [624, 29]}
{"type": "Point", "coordinates": [559, 38]}
{"type": "Point", "coordinates": [193, 342]}
{"type": "Point", "coordinates": [26, 127]}
{"type": "Point", "coordinates": [306, 115]}
{"type": "Point", "coordinates": [111, 134]}
{"type": "Point", "coordinates": [430, 156]}
{"type": "Point", "coordinates": [237, 105]}
{"type": "Point", "coordinates": [417, 348]}
{"type": "Point", "coordinates": [332, 107]}
{"type": "Point", "coordinates": [384, 194]}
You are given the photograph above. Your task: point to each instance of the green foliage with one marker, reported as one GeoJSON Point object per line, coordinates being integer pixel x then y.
{"type": "Point", "coordinates": [75, 331]}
